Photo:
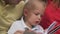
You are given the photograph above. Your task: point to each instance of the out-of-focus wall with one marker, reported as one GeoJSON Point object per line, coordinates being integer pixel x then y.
{"type": "Point", "coordinates": [8, 14]}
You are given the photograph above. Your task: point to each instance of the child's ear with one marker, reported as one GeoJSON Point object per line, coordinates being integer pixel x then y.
{"type": "Point", "coordinates": [25, 12]}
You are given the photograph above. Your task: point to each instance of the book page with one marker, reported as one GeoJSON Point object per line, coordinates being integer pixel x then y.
{"type": "Point", "coordinates": [50, 27]}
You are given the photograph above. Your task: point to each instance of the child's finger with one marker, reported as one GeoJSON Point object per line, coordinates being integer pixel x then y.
{"type": "Point", "coordinates": [19, 32]}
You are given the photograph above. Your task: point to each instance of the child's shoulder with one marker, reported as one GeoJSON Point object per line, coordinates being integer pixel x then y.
{"type": "Point", "coordinates": [17, 22]}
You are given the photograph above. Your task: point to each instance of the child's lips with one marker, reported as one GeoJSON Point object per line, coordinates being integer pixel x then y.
{"type": "Point", "coordinates": [37, 22]}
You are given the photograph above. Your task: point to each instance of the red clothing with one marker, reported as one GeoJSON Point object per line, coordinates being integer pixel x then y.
{"type": "Point", "coordinates": [52, 13]}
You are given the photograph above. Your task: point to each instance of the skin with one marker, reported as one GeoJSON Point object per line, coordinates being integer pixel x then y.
{"type": "Point", "coordinates": [33, 17]}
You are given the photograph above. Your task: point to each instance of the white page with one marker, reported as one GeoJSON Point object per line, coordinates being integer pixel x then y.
{"type": "Point", "coordinates": [50, 27]}
{"type": "Point", "coordinates": [47, 30]}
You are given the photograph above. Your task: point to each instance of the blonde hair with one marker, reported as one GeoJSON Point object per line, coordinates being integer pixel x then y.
{"type": "Point", "coordinates": [30, 4]}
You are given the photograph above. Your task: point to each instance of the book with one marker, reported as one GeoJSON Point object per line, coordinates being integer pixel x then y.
{"type": "Point", "coordinates": [50, 29]}
{"type": "Point", "coordinates": [54, 30]}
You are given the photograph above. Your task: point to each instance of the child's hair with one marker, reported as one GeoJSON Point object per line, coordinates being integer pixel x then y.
{"type": "Point", "coordinates": [30, 6]}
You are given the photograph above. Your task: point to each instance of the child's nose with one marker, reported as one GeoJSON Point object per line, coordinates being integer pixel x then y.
{"type": "Point", "coordinates": [39, 17]}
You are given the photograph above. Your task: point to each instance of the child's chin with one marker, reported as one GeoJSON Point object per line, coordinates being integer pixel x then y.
{"type": "Point", "coordinates": [35, 24]}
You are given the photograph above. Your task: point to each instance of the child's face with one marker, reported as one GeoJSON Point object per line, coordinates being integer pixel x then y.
{"type": "Point", "coordinates": [34, 16]}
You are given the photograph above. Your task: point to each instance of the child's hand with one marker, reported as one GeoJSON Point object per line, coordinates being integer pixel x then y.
{"type": "Point", "coordinates": [24, 32]}
{"type": "Point", "coordinates": [19, 32]}
{"type": "Point", "coordinates": [29, 32]}
{"type": "Point", "coordinates": [39, 33]}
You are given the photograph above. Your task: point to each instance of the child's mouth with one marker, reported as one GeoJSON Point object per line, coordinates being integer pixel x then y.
{"type": "Point", "coordinates": [37, 22]}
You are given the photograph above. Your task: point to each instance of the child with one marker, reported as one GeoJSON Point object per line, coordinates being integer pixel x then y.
{"type": "Point", "coordinates": [32, 12]}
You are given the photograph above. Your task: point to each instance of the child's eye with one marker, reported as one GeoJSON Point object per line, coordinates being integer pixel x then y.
{"type": "Point", "coordinates": [36, 14]}
{"type": "Point", "coordinates": [41, 15]}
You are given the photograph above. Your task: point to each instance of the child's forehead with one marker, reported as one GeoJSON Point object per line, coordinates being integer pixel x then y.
{"type": "Point", "coordinates": [38, 10]}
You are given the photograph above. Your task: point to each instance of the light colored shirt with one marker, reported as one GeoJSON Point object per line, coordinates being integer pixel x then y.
{"type": "Point", "coordinates": [20, 25]}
